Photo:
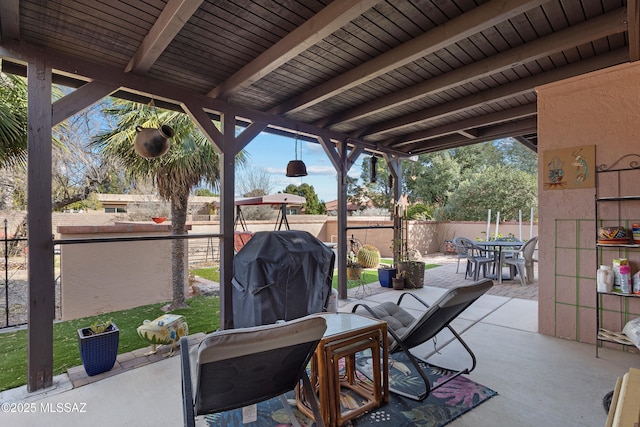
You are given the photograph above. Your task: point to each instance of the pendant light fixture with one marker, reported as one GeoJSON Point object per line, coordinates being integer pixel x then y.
{"type": "Point", "coordinates": [373, 169]}
{"type": "Point", "coordinates": [296, 168]}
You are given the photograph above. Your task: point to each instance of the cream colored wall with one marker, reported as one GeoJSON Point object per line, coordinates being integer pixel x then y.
{"type": "Point", "coordinates": [603, 109]}
{"type": "Point", "coordinates": [426, 236]}
{"type": "Point", "coordinates": [103, 277]}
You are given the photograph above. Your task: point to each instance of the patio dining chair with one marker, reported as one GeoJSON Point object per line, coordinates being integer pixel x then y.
{"type": "Point", "coordinates": [462, 248]}
{"type": "Point", "coordinates": [406, 331]}
{"type": "Point", "coordinates": [522, 261]}
{"type": "Point", "coordinates": [477, 258]}
{"type": "Point", "coordinates": [235, 368]}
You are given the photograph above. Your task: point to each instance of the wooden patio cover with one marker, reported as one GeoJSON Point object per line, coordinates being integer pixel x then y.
{"type": "Point", "coordinates": [391, 78]}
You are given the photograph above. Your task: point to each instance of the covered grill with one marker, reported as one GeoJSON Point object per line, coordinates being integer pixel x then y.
{"type": "Point", "coordinates": [280, 275]}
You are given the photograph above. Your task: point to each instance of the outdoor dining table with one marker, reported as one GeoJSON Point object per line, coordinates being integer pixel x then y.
{"type": "Point", "coordinates": [497, 246]}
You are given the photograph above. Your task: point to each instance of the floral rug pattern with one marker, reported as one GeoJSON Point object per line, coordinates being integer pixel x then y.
{"type": "Point", "coordinates": [442, 406]}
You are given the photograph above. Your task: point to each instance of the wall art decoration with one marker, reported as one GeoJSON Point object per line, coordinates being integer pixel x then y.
{"type": "Point", "coordinates": [568, 168]}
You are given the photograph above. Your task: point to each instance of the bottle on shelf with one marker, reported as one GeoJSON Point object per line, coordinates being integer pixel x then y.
{"type": "Point", "coordinates": [605, 278]}
{"type": "Point", "coordinates": [625, 279]}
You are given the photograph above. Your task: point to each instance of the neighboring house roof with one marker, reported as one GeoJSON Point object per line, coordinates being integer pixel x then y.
{"type": "Point", "coordinates": [333, 206]}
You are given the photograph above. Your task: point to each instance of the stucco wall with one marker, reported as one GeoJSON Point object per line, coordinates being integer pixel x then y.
{"type": "Point", "coordinates": [103, 277]}
{"type": "Point", "coordinates": [426, 236]}
{"type": "Point", "coordinates": [603, 109]}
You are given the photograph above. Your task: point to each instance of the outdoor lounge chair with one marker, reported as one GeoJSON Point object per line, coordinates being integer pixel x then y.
{"type": "Point", "coordinates": [406, 332]}
{"type": "Point", "coordinates": [240, 367]}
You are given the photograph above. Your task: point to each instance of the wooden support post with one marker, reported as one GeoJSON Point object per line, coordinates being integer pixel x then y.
{"type": "Point", "coordinates": [40, 241]}
{"type": "Point", "coordinates": [227, 187]}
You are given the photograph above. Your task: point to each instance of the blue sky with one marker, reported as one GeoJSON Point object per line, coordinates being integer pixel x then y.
{"type": "Point", "coordinates": [273, 152]}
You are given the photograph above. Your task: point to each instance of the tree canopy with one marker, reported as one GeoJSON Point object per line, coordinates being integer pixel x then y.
{"type": "Point", "coordinates": [312, 205]}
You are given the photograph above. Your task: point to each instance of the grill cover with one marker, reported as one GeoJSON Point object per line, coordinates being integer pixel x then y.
{"type": "Point", "coordinates": [280, 275]}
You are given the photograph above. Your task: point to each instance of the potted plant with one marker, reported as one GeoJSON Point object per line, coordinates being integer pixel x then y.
{"type": "Point", "coordinates": [412, 269]}
{"type": "Point", "coordinates": [398, 281]}
{"type": "Point", "coordinates": [98, 345]}
{"type": "Point", "coordinates": [385, 273]}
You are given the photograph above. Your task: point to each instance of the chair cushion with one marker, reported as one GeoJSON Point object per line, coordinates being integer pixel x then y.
{"type": "Point", "coordinates": [398, 319]}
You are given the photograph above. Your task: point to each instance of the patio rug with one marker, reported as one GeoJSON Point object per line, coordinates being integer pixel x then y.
{"type": "Point", "coordinates": [440, 408]}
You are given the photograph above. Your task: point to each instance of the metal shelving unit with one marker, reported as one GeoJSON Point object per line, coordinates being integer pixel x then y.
{"type": "Point", "coordinates": [619, 182]}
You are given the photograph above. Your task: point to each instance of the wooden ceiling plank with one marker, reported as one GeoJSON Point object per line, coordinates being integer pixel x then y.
{"type": "Point", "coordinates": [10, 19]}
{"type": "Point", "coordinates": [80, 99]}
{"type": "Point", "coordinates": [633, 15]}
{"type": "Point", "coordinates": [602, 26]}
{"type": "Point", "coordinates": [474, 21]}
{"type": "Point", "coordinates": [324, 23]}
{"type": "Point", "coordinates": [171, 20]}
{"type": "Point", "coordinates": [487, 119]}
{"type": "Point", "coordinates": [521, 86]}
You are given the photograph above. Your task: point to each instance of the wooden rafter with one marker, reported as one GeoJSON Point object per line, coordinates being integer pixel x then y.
{"type": "Point", "coordinates": [504, 130]}
{"type": "Point", "coordinates": [480, 18]}
{"type": "Point", "coordinates": [174, 15]}
{"type": "Point", "coordinates": [518, 87]}
{"type": "Point", "coordinates": [465, 125]}
{"type": "Point", "coordinates": [325, 22]}
{"type": "Point", "coordinates": [594, 29]}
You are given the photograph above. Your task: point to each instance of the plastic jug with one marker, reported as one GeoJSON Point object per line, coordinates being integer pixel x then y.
{"type": "Point", "coordinates": [604, 279]}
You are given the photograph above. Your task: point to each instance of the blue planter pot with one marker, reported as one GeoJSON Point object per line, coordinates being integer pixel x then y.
{"type": "Point", "coordinates": [98, 352]}
{"type": "Point", "coordinates": [385, 275]}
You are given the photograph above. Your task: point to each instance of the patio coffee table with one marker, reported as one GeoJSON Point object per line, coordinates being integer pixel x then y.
{"type": "Point", "coordinates": [346, 335]}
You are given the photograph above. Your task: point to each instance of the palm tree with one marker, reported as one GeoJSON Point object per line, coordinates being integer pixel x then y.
{"type": "Point", "coordinates": [13, 120]}
{"type": "Point", "coordinates": [190, 161]}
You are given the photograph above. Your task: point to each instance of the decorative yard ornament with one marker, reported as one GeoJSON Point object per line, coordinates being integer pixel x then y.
{"type": "Point", "coordinates": [151, 143]}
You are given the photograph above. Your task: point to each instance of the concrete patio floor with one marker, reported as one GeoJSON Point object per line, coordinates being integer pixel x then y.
{"type": "Point", "coordinates": [540, 380]}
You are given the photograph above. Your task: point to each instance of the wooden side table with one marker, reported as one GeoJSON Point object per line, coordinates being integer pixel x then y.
{"type": "Point", "coordinates": [346, 335]}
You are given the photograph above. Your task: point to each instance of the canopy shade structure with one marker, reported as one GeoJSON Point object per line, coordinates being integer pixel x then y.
{"type": "Point", "coordinates": [396, 76]}
{"type": "Point", "coordinates": [272, 199]}
{"type": "Point", "coordinates": [391, 78]}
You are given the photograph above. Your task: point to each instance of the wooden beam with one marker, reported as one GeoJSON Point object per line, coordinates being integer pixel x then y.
{"type": "Point", "coordinates": [342, 220]}
{"type": "Point", "coordinates": [505, 130]}
{"type": "Point", "coordinates": [333, 17]}
{"type": "Point", "coordinates": [470, 133]}
{"type": "Point", "coordinates": [330, 151]}
{"type": "Point", "coordinates": [79, 68]}
{"type": "Point", "coordinates": [175, 14]}
{"type": "Point", "coordinates": [10, 19]}
{"type": "Point", "coordinates": [455, 127]}
{"type": "Point", "coordinates": [227, 217]}
{"type": "Point", "coordinates": [80, 99]}
{"type": "Point", "coordinates": [478, 19]}
{"type": "Point", "coordinates": [593, 29]}
{"type": "Point", "coordinates": [633, 16]}
{"type": "Point", "coordinates": [248, 134]}
{"type": "Point", "coordinates": [41, 278]}
{"type": "Point", "coordinates": [518, 87]}
{"type": "Point", "coordinates": [524, 141]}
{"type": "Point", "coordinates": [204, 123]}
